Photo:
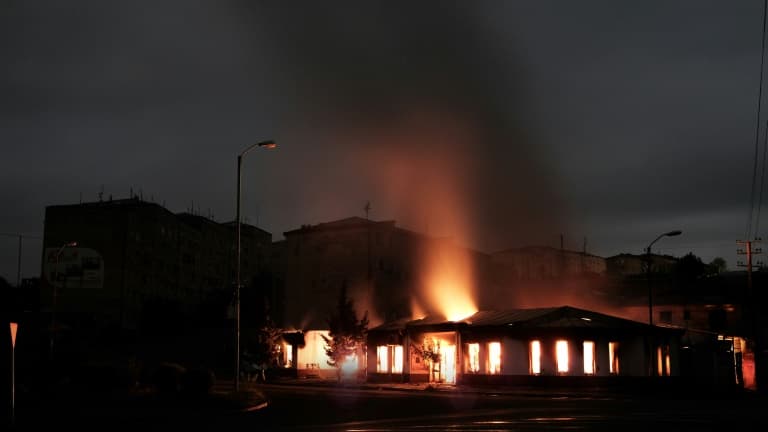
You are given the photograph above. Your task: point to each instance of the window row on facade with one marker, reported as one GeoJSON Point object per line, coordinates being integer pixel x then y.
{"type": "Point", "coordinates": [486, 358]}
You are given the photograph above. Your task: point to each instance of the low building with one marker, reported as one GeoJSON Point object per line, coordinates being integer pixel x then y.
{"type": "Point", "coordinates": [519, 347]}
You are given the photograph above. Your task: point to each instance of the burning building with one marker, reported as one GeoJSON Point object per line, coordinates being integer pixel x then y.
{"type": "Point", "coordinates": [519, 346]}
{"type": "Point", "coordinates": [390, 272]}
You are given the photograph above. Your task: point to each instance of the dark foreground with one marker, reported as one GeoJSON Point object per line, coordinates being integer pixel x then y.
{"type": "Point", "coordinates": [307, 408]}
{"type": "Point", "coordinates": [298, 406]}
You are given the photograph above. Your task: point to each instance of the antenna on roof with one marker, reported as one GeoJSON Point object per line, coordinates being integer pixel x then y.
{"type": "Point", "coordinates": [367, 209]}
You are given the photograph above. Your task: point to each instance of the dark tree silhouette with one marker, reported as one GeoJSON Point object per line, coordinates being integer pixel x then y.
{"type": "Point", "coordinates": [718, 265]}
{"type": "Point", "coordinates": [690, 267]}
{"type": "Point", "coordinates": [347, 334]}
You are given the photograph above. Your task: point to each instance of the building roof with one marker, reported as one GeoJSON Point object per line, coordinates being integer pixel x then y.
{"type": "Point", "coordinates": [559, 317]}
{"type": "Point", "coordinates": [528, 250]}
{"type": "Point", "coordinates": [350, 222]}
{"type": "Point", "coordinates": [552, 317]}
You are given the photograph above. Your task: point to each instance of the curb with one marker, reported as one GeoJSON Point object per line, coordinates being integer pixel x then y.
{"type": "Point", "coordinates": [256, 407]}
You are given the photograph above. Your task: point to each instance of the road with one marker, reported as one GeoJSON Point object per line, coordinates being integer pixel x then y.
{"type": "Point", "coordinates": [298, 408]}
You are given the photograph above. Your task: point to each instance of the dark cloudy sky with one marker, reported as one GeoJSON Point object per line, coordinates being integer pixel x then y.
{"type": "Point", "coordinates": [499, 123]}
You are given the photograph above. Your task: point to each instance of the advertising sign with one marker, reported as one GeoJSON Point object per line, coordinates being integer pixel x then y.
{"type": "Point", "coordinates": [77, 268]}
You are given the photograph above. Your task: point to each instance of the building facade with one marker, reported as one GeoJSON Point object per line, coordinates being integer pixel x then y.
{"type": "Point", "coordinates": [520, 347]}
{"type": "Point", "coordinates": [131, 253]}
{"type": "Point", "coordinates": [381, 265]}
{"type": "Point", "coordinates": [542, 262]}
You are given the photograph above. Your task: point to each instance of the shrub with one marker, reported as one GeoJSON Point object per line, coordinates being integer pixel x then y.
{"type": "Point", "coordinates": [167, 377]}
{"type": "Point", "coordinates": [197, 382]}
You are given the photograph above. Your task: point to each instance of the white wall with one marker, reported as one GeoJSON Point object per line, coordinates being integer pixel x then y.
{"type": "Point", "coordinates": [312, 354]}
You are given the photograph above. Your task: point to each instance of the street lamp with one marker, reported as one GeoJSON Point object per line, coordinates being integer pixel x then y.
{"type": "Point", "coordinates": [648, 270]}
{"type": "Point", "coordinates": [55, 284]}
{"type": "Point", "coordinates": [267, 145]}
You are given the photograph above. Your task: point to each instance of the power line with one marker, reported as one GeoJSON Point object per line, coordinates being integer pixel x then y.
{"type": "Point", "coordinates": [748, 233]}
{"type": "Point", "coordinates": [762, 180]}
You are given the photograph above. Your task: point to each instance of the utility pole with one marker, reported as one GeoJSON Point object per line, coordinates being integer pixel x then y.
{"type": "Point", "coordinates": [750, 299]}
{"type": "Point", "coordinates": [748, 251]}
{"type": "Point", "coordinates": [20, 237]}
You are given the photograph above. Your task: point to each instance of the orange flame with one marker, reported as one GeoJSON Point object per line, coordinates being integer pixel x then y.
{"type": "Point", "coordinates": [449, 279]}
{"type": "Point", "coordinates": [422, 166]}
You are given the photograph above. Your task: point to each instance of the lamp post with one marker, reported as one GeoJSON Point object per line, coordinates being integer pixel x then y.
{"type": "Point", "coordinates": [648, 270]}
{"type": "Point", "coordinates": [55, 296]}
{"type": "Point", "coordinates": [267, 145]}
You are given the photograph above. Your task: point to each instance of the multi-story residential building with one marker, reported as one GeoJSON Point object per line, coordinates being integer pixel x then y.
{"type": "Point", "coordinates": [383, 267]}
{"type": "Point", "coordinates": [129, 253]}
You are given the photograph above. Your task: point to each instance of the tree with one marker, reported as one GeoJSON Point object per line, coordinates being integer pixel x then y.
{"type": "Point", "coordinates": [429, 352]}
{"type": "Point", "coordinates": [718, 265]}
{"type": "Point", "coordinates": [346, 336]}
{"type": "Point", "coordinates": [266, 347]}
{"type": "Point", "coordinates": [690, 267]}
{"type": "Point", "coordinates": [263, 349]}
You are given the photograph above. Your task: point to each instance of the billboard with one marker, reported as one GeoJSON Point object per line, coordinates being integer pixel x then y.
{"type": "Point", "coordinates": [76, 267]}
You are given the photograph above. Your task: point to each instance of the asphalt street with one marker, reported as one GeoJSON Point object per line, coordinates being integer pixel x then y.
{"type": "Point", "coordinates": [299, 408]}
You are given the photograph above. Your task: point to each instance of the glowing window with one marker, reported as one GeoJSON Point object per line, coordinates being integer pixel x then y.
{"type": "Point", "coordinates": [663, 360]}
{"type": "Point", "coordinates": [382, 355]}
{"type": "Point", "coordinates": [397, 363]}
{"type": "Point", "coordinates": [448, 363]}
{"type": "Point", "coordinates": [494, 358]}
{"type": "Point", "coordinates": [589, 357]}
{"type": "Point", "coordinates": [535, 357]}
{"type": "Point", "coordinates": [474, 357]}
{"type": "Point", "coordinates": [658, 361]}
{"type": "Point", "coordinates": [613, 358]}
{"type": "Point", "coordinates": [288, 355]}
{"type": "Point", "coordinates": [561, 352]}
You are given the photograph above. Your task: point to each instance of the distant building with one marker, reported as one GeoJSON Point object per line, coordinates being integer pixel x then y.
{"type": "Point", "coordinates": [543, 262]}
{"type": "Point", "coordinates": [636, 265]}
{"type": "Point", "coordinates": [131, 253]}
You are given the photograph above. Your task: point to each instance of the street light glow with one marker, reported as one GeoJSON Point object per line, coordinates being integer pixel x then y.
{"type": "Point", "coordinates": [268, 144]}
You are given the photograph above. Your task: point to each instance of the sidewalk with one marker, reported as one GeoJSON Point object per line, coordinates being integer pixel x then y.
{"type": "Point", "coordinates": [542, 391]}
{"type": "Point", "coordinates": [438, 388]}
